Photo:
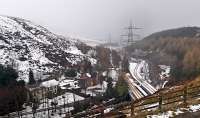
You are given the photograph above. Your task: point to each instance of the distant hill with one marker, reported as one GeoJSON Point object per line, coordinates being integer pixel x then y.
{"type": "Point", "coordinates": [175, 33]}
{"type": "Point", "coordinates": [25, 45]}
{"type": "Point", "coordinates": [178, 47]}
{"type": "Point", "coordinates": [91, 42]}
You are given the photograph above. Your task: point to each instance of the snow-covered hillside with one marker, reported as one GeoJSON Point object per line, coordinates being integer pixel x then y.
{"type": "Point", "coordinates": [90, 42]}
{"type": "Point", "coordinates": [25, 45]}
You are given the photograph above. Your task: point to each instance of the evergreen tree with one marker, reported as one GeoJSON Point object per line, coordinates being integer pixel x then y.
{"type": "Point", "coordinates": [15, 92]}
{"type": "Point", "coordinates": [31, 78]}
{"type": "Point", "coordinates": [121, 87]}
{"type": "Point", "coordinates": [8, 76]}
{"type": "Point", "coordinates": [110, 93]}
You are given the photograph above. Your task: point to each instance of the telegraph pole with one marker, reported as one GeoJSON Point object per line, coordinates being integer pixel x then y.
{"type": "Point", "coordinates": [110, 43]}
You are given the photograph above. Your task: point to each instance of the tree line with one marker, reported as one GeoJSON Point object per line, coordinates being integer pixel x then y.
{"type": "Point", "coordinates": [183, 53]}
{"type": "Point", "coordinates": [12, 92]}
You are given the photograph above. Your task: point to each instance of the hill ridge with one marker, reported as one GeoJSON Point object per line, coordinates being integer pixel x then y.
{"type": "Point", "coordinates": [25, 45]}
{"type": "Point", "coordinates": [176, 32]}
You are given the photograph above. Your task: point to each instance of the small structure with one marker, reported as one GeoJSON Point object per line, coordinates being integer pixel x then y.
{"type": "Point", "coordinates": [36, 91]}
{"type": "Point", "coordinates": [68, 84]}
{"type": "Point", "coordinates": [40, 92]}
{"type": "Point", "coordinates": [51, 85]}
{"type": "Point", "coordinates": [112, 73]}
{"type": "Point", "coordinates": [86, 80]}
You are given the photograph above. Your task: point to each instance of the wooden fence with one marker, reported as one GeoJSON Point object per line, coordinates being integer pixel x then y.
{"type": "Point", "coordinates": [164, 100]}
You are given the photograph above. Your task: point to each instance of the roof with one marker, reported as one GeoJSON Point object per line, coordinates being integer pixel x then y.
{"type": "Point", "coordinates": [50, 83]}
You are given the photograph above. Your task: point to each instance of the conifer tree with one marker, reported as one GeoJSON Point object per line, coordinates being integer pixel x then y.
{"type": "Point", "coordinates": [31, 78]}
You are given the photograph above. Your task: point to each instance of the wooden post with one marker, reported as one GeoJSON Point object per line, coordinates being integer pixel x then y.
{"type": "Point", "coordinates": [8, 115]}
{"type": "Point", "coordinates": [48, 112]}
{"type": "Point", "coordinates": [160, 102]}
{"type": "Point", "coordinates": [102, 112]}
{"type": "Point", "coordinates": [185, 95]}
{"type": "Point", "coordinates": [132, 109]}
{"type": "Point", "coordinates": [47, 104]}
{"type": "Point", "coordinates": [21, 115]}
{"type": "Point", "coordinates": [8, 109]}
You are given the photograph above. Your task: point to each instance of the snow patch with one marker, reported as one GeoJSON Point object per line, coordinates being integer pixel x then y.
{"type": "Point", "coordinates": [50, 83]}
{"type": "Point", "coordinates": [165, 71]}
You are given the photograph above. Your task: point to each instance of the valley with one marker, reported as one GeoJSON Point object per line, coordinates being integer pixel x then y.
{"type": "Point", "coordinates": [44, 75]}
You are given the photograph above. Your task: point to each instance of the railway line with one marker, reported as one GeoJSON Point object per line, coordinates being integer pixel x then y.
{"type": "Point", "coordinates": [133, 89]}
{"type": "Point", "coordinates": [137, 83]}
{"type": "Point", "coordinates": [142, 81]}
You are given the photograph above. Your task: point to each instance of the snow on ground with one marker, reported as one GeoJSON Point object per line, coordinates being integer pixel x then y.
{"type": "Point", "coordinates": [30, 46]}
{"type": "Point", "coordinates": [74, 61]}
{"type": "Point", "coordinates": [194, 108]}
{"type": "Point", "coordinates": [103, 86]}
{"type": "Point", "coordinates": [69, 98]}
{"type": "Point", "coordinates": [74, 50]}
{"type": "Point", "coordinates": [90, 42]}
{"type": "Point", "coordinates": [113, 74]}
{"type": "Point", "coordinates": [61, 78]}
{"type": "Point", "coordinates": [135, 69]}
{"type": "Point", "coordinates": [68, 84]}
{"type": "Point", "coordinates": [169, 114]}
{"type": "Point", "coordinates": [104, 73]}
{"type": "Point", "coordinates": [88, 75]}
{"type": "Point", "coordinates": [140, 72]}
{"type": "Point", "coordinates": [38, 55]}
{"type": "Point", "coordinates": [92, 60]}
{"type": "Point", "coordinates": [61, 100]}
{"type": "Point", "coordinates": [108, 110]}
{"type": "Point", "coordinates": [97, 89]}
{"type": "Point", "coordinates": [163, 115]}
{"type": "Point", "coordinates": [92, 53]}
{"type": "Point", "coordinates": [7, 24]}
{"type": "Point", "coordinates": [132, 67]}
{"type": "Point", "coordinates": [165, 71]}
{"type": "Point", "coordinates": [139, 69]}
{"type": "Point", "coordinates": [50, 83]}
{"type": "Point", "coordinates": [23, 70]}
{"type": "Point", "coordinates": [45, 114]}
{"type": "Point", "coordinates": [65, 98]}
{"type": "Point", "coordinates": [165, 82]}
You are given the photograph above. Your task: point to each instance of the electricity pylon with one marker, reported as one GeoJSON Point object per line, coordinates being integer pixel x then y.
{"type": "Point", "coordinates": [131, 34]}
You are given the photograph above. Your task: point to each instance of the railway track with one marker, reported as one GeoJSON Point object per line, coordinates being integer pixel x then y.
{"type": "Point", "coordinates": [140, 84]}
{"type": "Point", "coordinates": [133, 89]}
{"type": "Point", "coordinates": [142, 81]}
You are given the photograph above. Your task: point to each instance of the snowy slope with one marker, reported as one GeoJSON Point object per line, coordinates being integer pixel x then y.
{"type": "Point", "coordinates": [90, 42]}
{"type": "Point", "coordinates": [25, 45]}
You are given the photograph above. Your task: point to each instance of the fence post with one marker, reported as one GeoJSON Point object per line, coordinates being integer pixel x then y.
{"type": "Point", "coordinates": [132, 109]}
{"type": "Point", "coordinates": [102, 112]}
{"type": "Point", "coordinates": [185, 95]}
{"type": "Point", "coordinates": [160, 102]}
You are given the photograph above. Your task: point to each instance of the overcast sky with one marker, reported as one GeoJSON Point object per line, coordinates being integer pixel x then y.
{"type": "Point", "coordinates": [96, 19]}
